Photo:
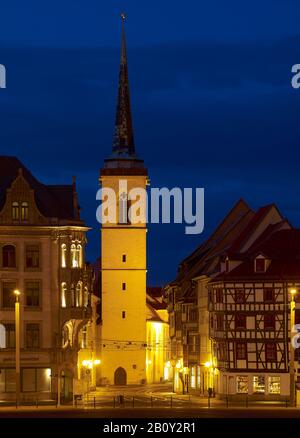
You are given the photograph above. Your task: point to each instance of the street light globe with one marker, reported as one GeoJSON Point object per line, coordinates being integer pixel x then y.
{"type": "Point", "coordinates": [97, 362]}
{"type": "Point", "coordinates": [207, 364]}
{"type": "Point", "coordinates": [17, 293]}
{"type": "Point", "coordinates": [293, 291]}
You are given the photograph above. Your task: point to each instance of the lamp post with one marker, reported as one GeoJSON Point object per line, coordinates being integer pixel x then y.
{"type": "Point", "coordinates": [173, 364]}
{"type": "Point", "coordinates": [17, 328]}
{"type": "Point", "coordinates": [293, 292]}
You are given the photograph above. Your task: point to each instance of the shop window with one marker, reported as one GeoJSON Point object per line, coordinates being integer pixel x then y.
{"type": "Point", "coordinates": [259, 384]}
{"type": "Point", "coordinates": [274, 385]}
{"type": "Point", "coordinates": [193, 377]}
{"type": "Point", "coordinates": [242, 384]}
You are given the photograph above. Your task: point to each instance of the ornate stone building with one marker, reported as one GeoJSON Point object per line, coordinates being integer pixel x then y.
{"type": "Point", "coordinates": [42, 254]}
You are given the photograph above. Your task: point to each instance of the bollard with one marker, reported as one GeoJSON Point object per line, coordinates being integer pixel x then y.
{"type": "Point", "coordinates": [246, 400]}
{"type": "Point", "coordinates": [36, 403]}
{"type": "Point", "coordinates": [133, 401]}
{"type": "Point", "coordinates": [94, 402]}
{"type": "Point", "coordinates": [114, 401]}
{"type": "Point", "coordinates": [286, 402]}
{"type": "Point", "coordinates": [151, 401]}
{"type": "Point", "coordinates": [171, 401]}
{"type": "Point", "coordinates": [209, 401]}
{"type": "Point", "coordinates": [227, 401]}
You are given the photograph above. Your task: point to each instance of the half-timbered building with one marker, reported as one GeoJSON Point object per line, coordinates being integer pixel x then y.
{"type": "Point", "coordinates": [249, 305]}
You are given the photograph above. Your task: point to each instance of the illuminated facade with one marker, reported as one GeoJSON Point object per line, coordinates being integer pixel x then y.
{"type": "Point", "coordinates": [42, 245]}
{"type": "Point", "coordinates": [158, 368]}
{"type": "Point", "coordinates": [194, 321]}
{"type": "Point", "coordinates": [123, 256]}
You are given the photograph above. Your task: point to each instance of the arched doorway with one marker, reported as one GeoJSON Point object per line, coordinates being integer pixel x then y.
{"type": "Point", "coordinates": [120, 376]}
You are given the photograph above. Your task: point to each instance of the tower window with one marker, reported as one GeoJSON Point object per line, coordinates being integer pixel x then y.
{"type": "Point", "coordinates": [123, 286]}
{"type": "Point", "coordinates": [123, 314]}
{"type": "Point", "coordinates": [124, 258]}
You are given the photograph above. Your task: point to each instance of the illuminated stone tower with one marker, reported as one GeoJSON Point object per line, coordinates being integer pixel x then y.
{"type": "Point", "coordinates": [123, 262]}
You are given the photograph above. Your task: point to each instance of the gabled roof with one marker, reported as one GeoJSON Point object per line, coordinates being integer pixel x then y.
{"type": "Point", "coordinates": [53, 201]}
{"type": "Point", "coordinates": [205, 258]}
{"type": "Point", "coordinates": [249, 229]}
{"type": "Point", "coordinates": [282, 249]}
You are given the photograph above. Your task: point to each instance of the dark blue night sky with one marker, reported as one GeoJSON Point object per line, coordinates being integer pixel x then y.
{"type": "Point", "coordinates": [211, 96]}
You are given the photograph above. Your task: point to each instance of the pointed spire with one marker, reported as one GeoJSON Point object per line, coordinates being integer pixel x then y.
{"type": "Point", "coordinates": [123, 142]}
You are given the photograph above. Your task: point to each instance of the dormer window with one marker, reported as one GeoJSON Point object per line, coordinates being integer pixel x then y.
{"type": "Point", "coordinates": [24, 211]}
{"type": "Point", "coordinates": [260, 265]}
{"type": "Point", "coordinates": [15, 211]}
{"type": "Point", "coordinates": [227, 264]}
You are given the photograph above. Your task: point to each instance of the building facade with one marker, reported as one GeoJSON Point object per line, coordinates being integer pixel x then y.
{"type": "Point", "coordinates": [192, 317]}
{"type": "Point", "coordinates": [250, 318]}
{"type": "Point", "coordinates": [42, 255]}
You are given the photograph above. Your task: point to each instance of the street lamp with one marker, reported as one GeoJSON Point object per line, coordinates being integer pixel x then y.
{"type": "Point", "coordinates": [293, 292]}
{"type": "Point", "coordinates": [173, 365]}
{"type": "Point", "coordinates": [17, 294]}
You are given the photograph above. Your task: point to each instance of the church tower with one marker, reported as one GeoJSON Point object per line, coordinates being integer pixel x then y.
{"type": "Point", "coordinates": [123, 253]}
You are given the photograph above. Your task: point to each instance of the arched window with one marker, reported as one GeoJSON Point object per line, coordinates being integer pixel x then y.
{"type": "Point", "coordinates": [8, 256]}
{"type": "Point", "coordinates": [15, 211]}
{"type": "Point", "coordinates": [79, 255]}
{"type": "Point", "coordinates": [64, 295]}
{"type": "Point", "coordinates": [24, 211]}
{"type": "Point", "coordinates": [74, 262]}
{"type": "Point", "coordinates": [86, 297]}
{"type": "Point", "coordinates": [73, 296]}
{"type": "Point", "coordinates": [63, 255]}
{"type": "Point", "coordinates": [79, 294]}
{"type": "Point", "coordinates": [76, 255]}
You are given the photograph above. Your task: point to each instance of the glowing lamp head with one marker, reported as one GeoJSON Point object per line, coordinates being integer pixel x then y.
{"type": "Point", "coordinates": [17, 293]}
{"type": "Point", "coordinates": [85, 363]}
{"type": "Point", "coordinates": [293, 291]}
{"type": "Point", "coordinates": [207, 364]}
{"type": "Point", "coordinates": [97, 362]}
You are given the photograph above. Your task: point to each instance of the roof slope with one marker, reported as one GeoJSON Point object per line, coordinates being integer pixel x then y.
{"type": "Point", "coordinates": [53, 201]}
